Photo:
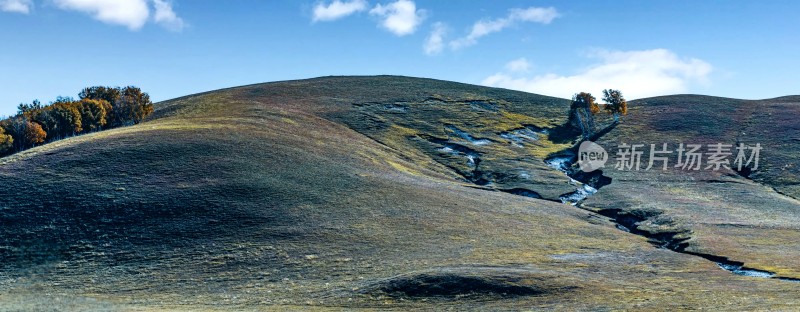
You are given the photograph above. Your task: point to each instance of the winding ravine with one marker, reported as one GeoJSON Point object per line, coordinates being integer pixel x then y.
{"type": "Point", "coordinates": [589, 183]}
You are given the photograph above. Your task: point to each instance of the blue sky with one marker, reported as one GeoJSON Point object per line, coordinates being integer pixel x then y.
{"type": "Point", "coordinates": [742, 49]}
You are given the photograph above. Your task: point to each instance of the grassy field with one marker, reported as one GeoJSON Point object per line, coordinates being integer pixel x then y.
{"type": "Point", "coordinates": [388, 192]}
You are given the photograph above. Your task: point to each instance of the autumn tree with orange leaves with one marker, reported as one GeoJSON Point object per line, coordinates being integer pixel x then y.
{"type": "Point", "coordinates": [581, 113]}
{"type": "Point", "coordinates": [25, 134]}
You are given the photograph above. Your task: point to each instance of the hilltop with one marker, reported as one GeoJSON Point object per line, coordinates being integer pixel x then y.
{"type": "Point", "coordinates": [397, 192]}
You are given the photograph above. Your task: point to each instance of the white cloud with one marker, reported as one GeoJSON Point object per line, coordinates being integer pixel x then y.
{"type": "Point", "coordinates": [518, 65]}
{"type": "Point", "coordinates": [535, 15]}
{"type": "Point", "coordinates": [337, 9]}
{"type": "Point", "coordinates": [638, 74]}
{"type": "Point", "coordinates": [485, 27]}
{"type": "Point", "coordinates": [435, 42]}
{"type": "Point", "coordinates": [166, 17]}
{"type": "Point", "coordinates": [16, 6]}
{"type": "Point", "coordinates": [130, 13]}
{"type": "Point", "coordinates": [400, 17]}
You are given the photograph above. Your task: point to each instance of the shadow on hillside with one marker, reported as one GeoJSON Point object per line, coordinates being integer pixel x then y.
{"type": "Point", "coordinates": [563, 134]}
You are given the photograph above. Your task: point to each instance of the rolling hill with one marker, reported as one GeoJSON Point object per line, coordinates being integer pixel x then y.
{"type": "Point", "coordinates": [398, 193]}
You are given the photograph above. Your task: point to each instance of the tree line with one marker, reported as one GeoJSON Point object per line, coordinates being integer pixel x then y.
{"type": "Point", "coordinates": [97, 108]}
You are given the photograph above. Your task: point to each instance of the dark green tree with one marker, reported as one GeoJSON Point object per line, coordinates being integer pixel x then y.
{"type": "Point", "coordinates": [129, 105]}
{"type": "Point", "coordinates": [134, 105]}
{"type": "Point", "coordinates": [101, 93]}
{"type": "Point", "coordinates": [28, 109]}
{"type": "Point", "coordinates": [615, 103]}
{"type": "Point", "coordinates": [69, 117]}
{"type": "Point", "coordinates": [93, 114]}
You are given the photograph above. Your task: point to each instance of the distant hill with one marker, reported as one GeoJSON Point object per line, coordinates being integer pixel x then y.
{"type": "Point", "coordinates": [397, 192]}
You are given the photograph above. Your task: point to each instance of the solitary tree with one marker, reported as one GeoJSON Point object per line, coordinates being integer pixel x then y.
{"type": "Point", "coordinates": [581, 113]}
{"type": "Point", "coordinates": [615, 103]}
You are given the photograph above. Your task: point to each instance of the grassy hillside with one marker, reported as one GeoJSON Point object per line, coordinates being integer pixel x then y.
{"type": "Point", "coordinates": [376, 192]}
{"type": "Point", "coordinates": [753, 219]}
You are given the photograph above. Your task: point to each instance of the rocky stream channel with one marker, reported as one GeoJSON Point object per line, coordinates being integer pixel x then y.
{"type": "Point", "coordinates": [588, 184]}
